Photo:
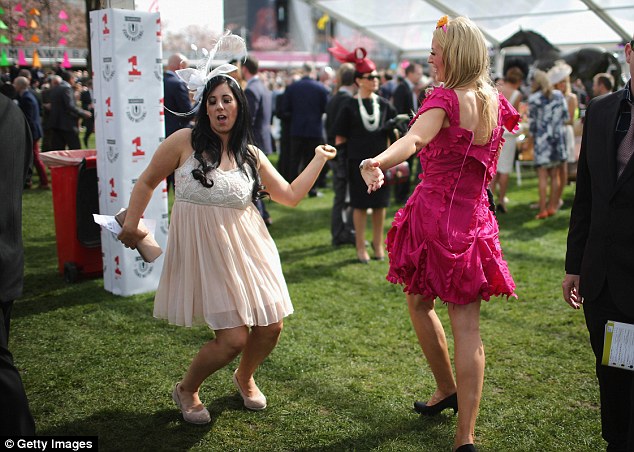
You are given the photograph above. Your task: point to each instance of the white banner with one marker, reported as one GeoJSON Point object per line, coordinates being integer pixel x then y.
{"type": "Point", "coordinates": [129, 126]}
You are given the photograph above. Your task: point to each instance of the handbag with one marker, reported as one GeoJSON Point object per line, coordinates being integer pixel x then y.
{"type": "Point", "coordinates": [397, 174]}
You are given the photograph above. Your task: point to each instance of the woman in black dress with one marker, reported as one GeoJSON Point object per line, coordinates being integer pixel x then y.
{"type": "Point", "coordinates": [363, 125]}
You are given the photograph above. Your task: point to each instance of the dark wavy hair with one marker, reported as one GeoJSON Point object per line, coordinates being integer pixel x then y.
{"type": "Point", "coordinates": [207, 143]}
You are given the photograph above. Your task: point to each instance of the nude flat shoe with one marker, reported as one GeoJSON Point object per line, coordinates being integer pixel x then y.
{"type": "Point", "coordinates": [194, 417]}
{"type": "Point", "coordinates": [542, 215]}
{"type": "Point", "coordinates": [256, 403]}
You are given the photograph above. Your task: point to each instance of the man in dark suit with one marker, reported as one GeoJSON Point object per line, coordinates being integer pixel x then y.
{"type": "Point", "coordinates": [341, 226]}
{"type": "Point", "coordinates": [259, 99]}
{"type": "Point", "coordinates": [304, 102]}
{"type": "Point", "coordinates": [31, 109]}
{"type": "Point", "coordinates": [47, 88]}
{"type": "Point", "coordinates": [86, 98]}
{"type": "Point", "coordinates": [65, 114]}
{"type": "Point", "coordinates": [15, 159]}
{"type": "Point", "coordinates": [600, 255]}
{"type": "Point", "coordinates": [176, 95]}
{"type": "Point", "coordinates": [260, 107]}
{"type": "Point", "coordinates": [405, 101]}
{"type": "Point", "coordinates": [175, 99]}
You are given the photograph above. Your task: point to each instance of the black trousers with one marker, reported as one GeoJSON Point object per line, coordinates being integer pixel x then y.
{"type": "Point", "coordinates": [616, 386]}
{"type": "Point", "coordinates": [302, 152]}
{"type": "Point", "coordinates": [15, 416]}
{"type": "Point", "coordinates": [89, 124]}
{"type": "Point", "coordinates": [65, 138]}
{"type": "Point", "coordinates": [341, 226]}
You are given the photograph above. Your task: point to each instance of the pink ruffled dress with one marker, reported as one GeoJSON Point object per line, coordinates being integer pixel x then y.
{"type": "Point", "coordinates": [445, 241]}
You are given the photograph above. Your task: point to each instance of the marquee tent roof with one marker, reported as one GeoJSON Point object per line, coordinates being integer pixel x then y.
{"type": "Point", "coordinates": [407, 25]}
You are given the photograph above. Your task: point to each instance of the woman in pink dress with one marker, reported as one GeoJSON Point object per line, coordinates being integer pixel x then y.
{"type": "Point", "coordinates": [444, 242]}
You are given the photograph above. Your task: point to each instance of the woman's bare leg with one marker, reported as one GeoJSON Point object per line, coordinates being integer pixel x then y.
{"type": "Point", "coordinates": [260, 344]}
{"type": "Point", "coordinates": [212, 356]}
{"type": "Point", "coordinates": [542, 186]}
{"type": "Point", "coordinates": [378, 223]}
{"type": "Point", "coordinates": [359, 218]}
{"type": "Point", "coordinates": [561, 176]}
{"type": "Point", "coordinates": [432, 340]}
{"type": "Point", "coordinates": [503, 183]}
{"type": "Point", "coordinates": [469, 363]}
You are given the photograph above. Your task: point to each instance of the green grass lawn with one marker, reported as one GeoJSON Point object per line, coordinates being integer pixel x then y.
{"type": "Point", "coordinates": [348, 366]}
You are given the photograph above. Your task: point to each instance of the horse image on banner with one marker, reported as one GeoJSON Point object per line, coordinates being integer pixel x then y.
{"type": "Point", "coordinates": [586, 62]}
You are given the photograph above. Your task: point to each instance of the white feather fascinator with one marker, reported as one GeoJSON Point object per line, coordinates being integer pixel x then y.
{"type": "Point", "coordinates": [228, 47]}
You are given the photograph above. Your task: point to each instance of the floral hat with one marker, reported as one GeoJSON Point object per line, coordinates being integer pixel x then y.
{"type": "Point", "coordinates": [358, 57]}
{"type": "Point", "coordinates": [558, 72]}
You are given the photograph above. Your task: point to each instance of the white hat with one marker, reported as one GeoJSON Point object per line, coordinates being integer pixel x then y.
{"type": "Point", "coordinates": [559, 72]}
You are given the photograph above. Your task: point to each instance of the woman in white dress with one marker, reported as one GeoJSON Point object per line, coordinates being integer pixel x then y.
{"type": "Point", "coordinates": [510, 89]}
{"type": "Point", "coordinates": [559, 77]}
{"type": "Point", "coordinates": [221, 265]}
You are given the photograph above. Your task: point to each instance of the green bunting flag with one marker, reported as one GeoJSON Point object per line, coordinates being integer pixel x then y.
{"type": "Point", "coordinates": [4, 61]}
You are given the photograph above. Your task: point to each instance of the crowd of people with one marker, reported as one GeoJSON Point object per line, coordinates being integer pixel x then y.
{"type": "Point", "coordinates": [58, 104]}
{"type": "Point", "coordinates": [222, 267]}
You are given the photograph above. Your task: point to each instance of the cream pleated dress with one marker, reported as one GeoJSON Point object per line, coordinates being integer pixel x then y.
{"type": "Point", "coordinates": [221, 265]}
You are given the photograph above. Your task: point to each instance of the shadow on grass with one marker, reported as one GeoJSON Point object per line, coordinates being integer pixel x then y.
{"type": "Point", "coordinates": [59, 295]}
{"type": "Point", "coordinates": [161, 430]}
{"type": "Point", "coordinates": [432, 436]}
{"type": "Point", "coordinates": [526, 257]}
{"type": "Point", "coordinates": [290, 222]}
{"type": "Point", "coordinates": [521, 224]}
{"type": "Point", "coordinates": [122, 430]}
{"type": "Point", "coordinates": [381, 427]}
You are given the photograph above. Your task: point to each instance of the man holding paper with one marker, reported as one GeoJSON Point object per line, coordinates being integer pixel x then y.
{"type": "Point", "coordinates": [600, 255]}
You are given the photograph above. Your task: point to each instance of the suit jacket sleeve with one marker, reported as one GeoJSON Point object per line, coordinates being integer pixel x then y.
{"type": "Point", "coordinates": [253, 102]}
{"type": "Point", "coordinates": [16, 153]}
{"type": "Point", "coordinates": [402, 99]}
{"type": "Point", "coordinates": [70, 105]}
{"type": "Point", "coordinates": [582, 205]}
{"type": "Point", "coordinates": [31, 113]}
{"type": "Point", "coordinates": [180, 98]}
{"type": "Point", "coordinates": [286, 103]}
{"type": "Point", "coordinates": [86, 99]}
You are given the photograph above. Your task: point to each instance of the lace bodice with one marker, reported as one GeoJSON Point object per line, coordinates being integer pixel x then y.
{"type": "Point", "coordinates": [231, 188]}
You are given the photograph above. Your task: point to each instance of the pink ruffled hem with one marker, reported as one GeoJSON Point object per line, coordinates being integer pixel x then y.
{"type": "Point", "coordinates": [432, 270]}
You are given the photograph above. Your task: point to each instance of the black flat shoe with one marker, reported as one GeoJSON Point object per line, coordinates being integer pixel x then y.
{"type": "Point", "coordinates": [432, 410]}
{"type": "Point", "coordinates": [375, 257]}
{"type": "Point", "coordinates": [466, 448]}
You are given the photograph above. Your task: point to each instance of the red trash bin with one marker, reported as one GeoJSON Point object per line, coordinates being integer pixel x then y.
{"type": "Point", "coordinates": [75, 199]}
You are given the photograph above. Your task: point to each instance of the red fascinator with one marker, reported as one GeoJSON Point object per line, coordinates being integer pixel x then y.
{"type": "Point", "coordinates": [358, 57]}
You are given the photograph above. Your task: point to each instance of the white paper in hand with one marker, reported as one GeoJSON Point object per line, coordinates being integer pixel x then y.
{"type": "Point", "coordinates": [109, 223]}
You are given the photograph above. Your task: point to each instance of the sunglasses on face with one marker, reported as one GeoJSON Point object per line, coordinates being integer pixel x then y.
{"type": "Point", "coordinates": [370, 77]}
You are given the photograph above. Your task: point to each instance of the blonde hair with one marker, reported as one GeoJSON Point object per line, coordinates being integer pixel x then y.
{"type": "Point", "coordinates": [568, 87]}
{"type": "Point", "coordinates": [541, 83]}
{"type": "Point", "coordinates": [466, 60]}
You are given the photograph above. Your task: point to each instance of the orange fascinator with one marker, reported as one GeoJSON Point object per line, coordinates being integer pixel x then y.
{"type": "Point", "coordinates": [442, 23]}
{"type": "Point", "coordinates": [358, 57]}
